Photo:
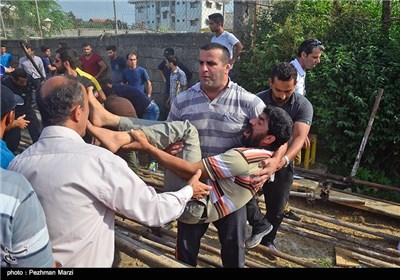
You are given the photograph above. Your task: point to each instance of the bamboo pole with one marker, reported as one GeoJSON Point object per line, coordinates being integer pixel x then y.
{"type": "Point", "coordinates": [144, 252]}
{"type": "Point", "coordinates": [366, 134]}
{"type": "Point", "coordinates": [334, 241]}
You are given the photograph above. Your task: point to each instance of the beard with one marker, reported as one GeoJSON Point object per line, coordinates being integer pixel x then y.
{"type": "Point", "coordinates": [61, 70]}
{"type": "Point", "coordinates": [250, 140]}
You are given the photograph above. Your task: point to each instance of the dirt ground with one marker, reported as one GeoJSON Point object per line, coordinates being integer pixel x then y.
{"type": "Point", "coordinates": [306, 248]}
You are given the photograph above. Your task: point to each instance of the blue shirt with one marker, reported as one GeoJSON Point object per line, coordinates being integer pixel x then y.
{"type": "Point", "coordinates": [6, 155]}
{"type": "Point", "coordinates": [136, 77]}
{"type": "Point", "coordinates": [6, 59]}
{"type": "Point", "coordinates": [118, 65]}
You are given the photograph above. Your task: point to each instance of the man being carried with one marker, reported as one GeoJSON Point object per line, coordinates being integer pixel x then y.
{"type": "Point", "coordinates": [228, 173]}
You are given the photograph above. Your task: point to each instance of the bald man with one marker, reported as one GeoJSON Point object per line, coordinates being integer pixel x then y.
{"type": "Point", "coordinates": [81, 186]}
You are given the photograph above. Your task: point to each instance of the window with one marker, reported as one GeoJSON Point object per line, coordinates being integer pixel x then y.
{"type": "Point", "coordinates": [208, 4]}
{"type": "Point", "coordinates": [193, 22]}
{"type": "Point", "coordinates": [218, 5]}
{"type": "Point", "coordinates": [194, 4]}
{"type": "Point", "coordinates": [165, 15]}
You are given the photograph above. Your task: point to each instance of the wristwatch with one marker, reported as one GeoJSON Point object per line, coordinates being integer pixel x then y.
{"type": "Point", "coordinates": [287, 161]}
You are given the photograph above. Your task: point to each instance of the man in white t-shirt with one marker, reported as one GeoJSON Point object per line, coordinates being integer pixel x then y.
{"type": "Point", "coordinates": [308, 56]}
{"type": "Point", "coordinates": [225, 38]}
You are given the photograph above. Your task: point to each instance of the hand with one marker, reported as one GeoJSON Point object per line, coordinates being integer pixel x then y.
{"type": "Point", "coordinates": [174, 148]}
{"type": "Point", "coordinates": [21, 122]}
{"type": "Point", "coordinates": [199, 189]}
{"type": "Point", "coordinates": [268, 167]}
{"type": "Point", "coordinates": [139, 141]}
{"type": "Point", "coordinates": [306, 143]}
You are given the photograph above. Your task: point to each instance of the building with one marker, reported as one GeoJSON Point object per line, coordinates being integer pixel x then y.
{"type": "Point", "coordinates": [178, 15]}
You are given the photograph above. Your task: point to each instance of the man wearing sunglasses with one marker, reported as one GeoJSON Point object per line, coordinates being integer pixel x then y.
{"type": "Point", "coordinates": [308, 56]}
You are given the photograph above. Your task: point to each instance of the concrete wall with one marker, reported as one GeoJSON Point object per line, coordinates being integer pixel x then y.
{"type": "Point", "coordinates": [149, 47]}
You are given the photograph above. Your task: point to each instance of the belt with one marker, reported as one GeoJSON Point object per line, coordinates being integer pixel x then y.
{"type": "Point", "coordinates": [151, 103]}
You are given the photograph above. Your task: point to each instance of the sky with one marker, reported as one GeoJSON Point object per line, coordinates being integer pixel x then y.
{"type": "Point", "coordinates": [99, 9]}
{"type": "Point", "coordinates": [103, 9]}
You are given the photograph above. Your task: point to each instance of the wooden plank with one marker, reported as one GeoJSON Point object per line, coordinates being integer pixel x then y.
{"type": "Point", "coordinates": [305, 185]}
{"type": "Point", "coordinates": [344, 258]}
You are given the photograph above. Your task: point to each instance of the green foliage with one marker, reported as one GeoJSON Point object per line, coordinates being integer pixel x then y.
{"type": "Point", "coordinates": [325, 262]}
{"type": "Point", "coordinates": [22, 15]}
{"type": "Point", "coordinates": [359, 59]}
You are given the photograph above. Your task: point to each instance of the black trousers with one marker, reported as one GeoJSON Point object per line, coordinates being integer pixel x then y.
{"type": "Point", "coordinates": [276, 195]}
{"type": "Point", "coordinates": [231, 233]}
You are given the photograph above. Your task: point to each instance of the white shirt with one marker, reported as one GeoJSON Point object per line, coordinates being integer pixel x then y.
{"type": "Point", "coordinates": [301, 77]}
{"type": "Point", "coordinates": [80, 187]}
{"type": "Point", "coordinates": [226, 39]}
{"type": "Point", "coordinates": [26, 64]}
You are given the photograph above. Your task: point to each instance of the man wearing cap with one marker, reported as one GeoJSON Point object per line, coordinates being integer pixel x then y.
{"type": "Point", "coordinates": [9, 101]}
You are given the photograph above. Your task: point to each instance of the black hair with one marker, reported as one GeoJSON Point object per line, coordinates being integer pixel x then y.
{"type": "Point", "coordinates": [308, 45]}
{"type": "Point", "coordinates": [284, 71]}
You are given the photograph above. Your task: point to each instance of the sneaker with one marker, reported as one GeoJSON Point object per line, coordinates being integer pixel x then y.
{"type": "Point", "coordinates": [291, 215]}
{"type": "Point", "coordinates": [153, 166]}
{"type": "Point", "coordinates": [272, 247]}
{"type": "Point", "coordinates": [255, 239]}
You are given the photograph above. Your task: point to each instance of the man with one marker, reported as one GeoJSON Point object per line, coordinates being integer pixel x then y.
{"type": "Point", "coordinates": [48, 68]}
{"type": "Point", "coordinates": [165, 74]}
{"type": "Point", "coordinates": [177, 79]}
{"type": "Point", "coordinates": [21, 84]}
{"type": "Point", "coordinates": [225, 38]}
{"type": "Point", "coordinates": [136, 76]}
{"type": "Point", "coordinates": [219, 109]}
{"type": "Point", "coordinates": [281, 94]}
{"type": "Point", "coordinates": [228, 173]}
{"type": "Point", "coordinates": [80, 202]}
{"type": "Point", "coordinates": [308, 56]}
{"type": "Point", "coordinates": [23, 243]}
{"type": "Point", "coordinates": [66, 62]}
{"type": "Point", "coordinates": [6, 58]}
{"type": "Point", "coordinates": [27, 65]}
{"type": "Point", "coordinates": [117, 63]}
{"type": "Point", "coordinates": [93, 63]}
{"type": "Point", "coordinates": [9, 101]}
{"type": "Point", "coordinates": [145, 107]}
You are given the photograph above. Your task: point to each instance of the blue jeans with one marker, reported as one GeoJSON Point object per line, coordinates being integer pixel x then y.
{"type": "Point", "coordinates": [152, 112]}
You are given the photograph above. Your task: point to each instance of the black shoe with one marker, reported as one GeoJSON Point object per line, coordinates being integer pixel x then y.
{"type": "Point", "coordinates": [291, 215]}
{"type": "Point", "coordinates": [272, 247]}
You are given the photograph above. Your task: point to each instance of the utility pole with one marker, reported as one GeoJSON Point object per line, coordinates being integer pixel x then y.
{"type": "Point", "coordinates": [38, 18]}
{"type": "Point", "coordinates": [115, 17]}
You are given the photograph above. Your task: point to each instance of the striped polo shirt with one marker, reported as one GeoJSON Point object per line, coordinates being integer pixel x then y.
{"type": "Point", "coordinates": [220, 122]}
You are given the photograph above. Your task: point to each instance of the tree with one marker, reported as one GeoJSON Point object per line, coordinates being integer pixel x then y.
{"type": "Point", "coordinates": [23, 16]}
{"type": "Point", "coordinates": [361, 56]}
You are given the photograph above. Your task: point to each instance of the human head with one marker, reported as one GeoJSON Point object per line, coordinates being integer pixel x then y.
{"type": "Point", "coordinates": [111, 51]}
{"type": "Point", "coordinates": [62, 45]}
{"type": "Point", "coordinates": [3, 49]}
{"type": "Point", "coordinates": [87, 49]}
{"type": "Point", "coordinates": [168, 52]}
{"type": "Point", "coordinates": [172, 62]}
{"type": "Point", "coordinates": [63, 101]}
{"type": "Point", "coordinates": [9, 101]}
{"type": "Point", "coordinates": [214, 66]}
{"type": "Point", "coordinates": [282, 81]}
{"type": "Point", "coordinates": [66, 58]}
{"type": "Point", "coordinates": [46, 51]}
{"type": "Point", "coordinates": [309, 53]}
{"type": "Point", "coordinates": [270, 130]}
{"type": "Point", "coordinates": [19, 77]}
{"type": "Point", "coordinates": [132, 58]}
{"type": "Point", "coordinates": [31, 51]}
{"type": "Point", "coordinates": [215, 21]}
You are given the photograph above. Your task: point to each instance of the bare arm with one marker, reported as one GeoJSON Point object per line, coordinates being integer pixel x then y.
{"type": "Point", "coordinates": [237, 50]}
{"type": "Point", "coordinates": [103, 68]}
{"type": "Point", "coordinates": [149, 88]}
{"type": "Point", "coordinates": [162, 76]}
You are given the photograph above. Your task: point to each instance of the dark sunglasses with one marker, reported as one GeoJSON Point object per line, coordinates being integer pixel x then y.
{"type": "Point", "coordinates": [315, 43]}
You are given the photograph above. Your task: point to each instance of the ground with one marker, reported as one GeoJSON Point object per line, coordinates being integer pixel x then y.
{"type": "Point", "coordinates": [313, 241]}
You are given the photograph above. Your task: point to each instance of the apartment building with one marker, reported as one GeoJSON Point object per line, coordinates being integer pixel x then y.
{"type": "Point", "coordinates": [178, 15]}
